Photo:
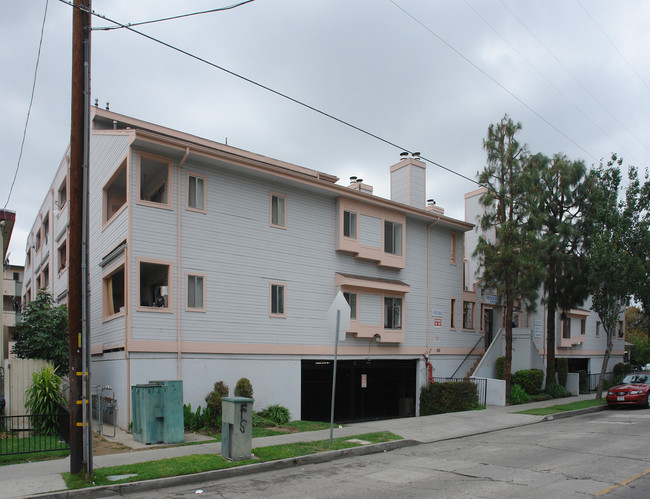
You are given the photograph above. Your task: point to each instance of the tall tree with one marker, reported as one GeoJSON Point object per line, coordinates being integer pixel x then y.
{"type": "Point", "coordinates": [508, 249]}
{"type": "Point", "coordinates": [614, 262]}
{"type": "Point", "coordinates": [42, 332]}
{"type": "Point", "coordinates": [562, 199]}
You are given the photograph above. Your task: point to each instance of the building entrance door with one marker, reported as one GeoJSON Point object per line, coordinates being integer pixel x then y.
{"type": "Point", "coordinates": [488, 325]}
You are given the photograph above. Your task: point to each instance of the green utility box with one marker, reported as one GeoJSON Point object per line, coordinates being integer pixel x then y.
{"type": "Point", "coordinates": [157, 412]}
{"type": "Point", "coordinates": [236, 428]}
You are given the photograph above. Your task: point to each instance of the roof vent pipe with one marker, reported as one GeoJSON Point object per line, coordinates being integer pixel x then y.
{"type": "Point", "coordinates": [359, 180]}
{"type": "Point", "coordinates": [353, 179]}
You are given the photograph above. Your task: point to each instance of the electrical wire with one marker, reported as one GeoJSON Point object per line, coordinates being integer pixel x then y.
{"type": "Point", "coordinates": [269, 89]}
{"type": "Point", "coordinates": [220, 9]}
{"type": "Point", "coordinates": [29, 109]}
{"type": "Point", "coordinates": [493, 80]}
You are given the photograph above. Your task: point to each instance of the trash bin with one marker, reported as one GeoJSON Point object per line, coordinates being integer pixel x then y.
{"type": "Point", "coordinates": [236, 428]}
{"type": "Point", "coordinates": [157, 412]}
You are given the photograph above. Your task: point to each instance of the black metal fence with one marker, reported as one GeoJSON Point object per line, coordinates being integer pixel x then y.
{"type": "Point", "coordinates": [610, 378]}
{"type": "Point", "coordinates": [34, 433]}
{"type": "Point", "coordinates": [481, 386]}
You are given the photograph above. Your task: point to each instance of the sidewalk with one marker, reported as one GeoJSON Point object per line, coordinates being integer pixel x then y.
{"type": "Point", "coordinates": [24, 480]}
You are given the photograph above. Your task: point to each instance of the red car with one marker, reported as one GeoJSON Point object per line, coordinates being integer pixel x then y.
{"type": "Point", "coordinates": [634, 389]}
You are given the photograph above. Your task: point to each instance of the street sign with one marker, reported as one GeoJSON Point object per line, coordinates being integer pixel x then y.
{"type": "Point", "coordinates": [339, 304]}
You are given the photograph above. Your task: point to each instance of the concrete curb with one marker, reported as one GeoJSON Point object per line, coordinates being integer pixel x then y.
{"type": "Point", "coordinates": [146, 485]}
{"type": "Point", "coordinates": [577, 412]}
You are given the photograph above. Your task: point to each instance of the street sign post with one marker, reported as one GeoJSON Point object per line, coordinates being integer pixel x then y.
{"type": "Point", "coordinates": [338, 318]}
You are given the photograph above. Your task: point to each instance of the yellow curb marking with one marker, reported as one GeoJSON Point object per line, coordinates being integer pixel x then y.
{"type": "Point", "coordinates": [623, 483]}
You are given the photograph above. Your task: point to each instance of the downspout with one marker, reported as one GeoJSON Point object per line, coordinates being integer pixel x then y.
{"type": "Point", "coordinates": [178, 266]}
{"type": "Point", "coordinates": [428, 348]}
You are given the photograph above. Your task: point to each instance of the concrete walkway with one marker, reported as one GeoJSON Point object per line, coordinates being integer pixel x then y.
{"type": "Point", "coordinates": [44, 477]}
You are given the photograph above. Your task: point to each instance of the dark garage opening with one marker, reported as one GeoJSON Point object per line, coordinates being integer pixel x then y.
{"type": "Point", "coordinates": [365, 390]}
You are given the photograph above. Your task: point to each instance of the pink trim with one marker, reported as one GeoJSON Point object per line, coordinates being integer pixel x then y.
{"type": "Point", "coordinates": [453, 248]}
{"type": "Point", "coordinates": [169, 309]}
{"type": "Point", "coordinates": [453, 326]}
{"type": "Point", "coordinates": [189, 174]}
{"type": "Point", "coordinates": [106, 274]}
{"type": "Point", "coordinates": [169, 188]}
{"type": "Point", "coordinates": [283, 315]}
{"type": "Point", "coordinates": [106, 220]}
{"type": "Point", "coordinates": [378, 287]}
{"type": "Point", "coordinates": [284, 210]}
{"type": "Point", "coordinates": [195, 274]}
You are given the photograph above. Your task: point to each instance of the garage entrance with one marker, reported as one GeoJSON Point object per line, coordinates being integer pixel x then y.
{"type": "Point", "coordinates": [365, 390]}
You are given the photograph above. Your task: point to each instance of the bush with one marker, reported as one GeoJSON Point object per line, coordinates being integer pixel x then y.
{"type": "Point", "coordinates": [518, 395]}
{"type": "Point", "coordinates": [530, 380]}
{"type": "Point", "coordinates": [501, 368]}
{"type": "Point", "coordinates": [44, 399]}
{"type": "Point", "coordinates": [439, 398]}
{"type": "Point", "coordinates": [194, 421]}
{"type": "Point", "coordinates": [621, 369]}
{"type": "Point", "coordinates": [562, 365]}
{"type": "Point", "coordinates": [243, 388]}
{"type": "Point", "coordinates": [278, 414]}
{"type": "Point", "coordinates": [213, 400]}
{"type": "Point", "coordinates": [556, 391]}
{"type": "Point", "coordinates": [584, 381]}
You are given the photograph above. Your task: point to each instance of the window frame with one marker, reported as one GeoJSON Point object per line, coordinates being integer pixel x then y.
{"type": "Point", "coordinates": [452, 313]}
{"type": "Point", "coordinates": [58, 255]}
{"type": "Point", "coordinates": [393, 225]}
{"type": "Point", "coordinates": [453, 248]}
{"type": "Point", "coordinates": [169, 204]}
{"type": "Point", "coordinates": [272, 196]}
{"type": "Point", "coordinates": [352, 299]}
{"type": "Point", "coordinates": [283, 313]}
{"type": "Point", "coordinates": [188, 307]}
{"type": "Point", "coordinates": [106, 276]}
{"type": "Point", "coordinates": [169, 309]}
{"type": "Point", "coordinates": [468, 318]}
{"type": "Point", "coordinates": [203, 179]}
{"type": "Point", "coordinates": [598, 326]}
{"type": "Point", "coordinates": [385, 305]}
{"type": "Point", "coordinates": [351, 219]}
{"type": "Point", "coordinates": [106, 219]}
{"type": "Point", "coordinates": [62, 187]}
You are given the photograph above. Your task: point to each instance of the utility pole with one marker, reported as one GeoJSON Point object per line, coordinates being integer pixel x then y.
{"type": "Point", "coordinates": [79, 131]}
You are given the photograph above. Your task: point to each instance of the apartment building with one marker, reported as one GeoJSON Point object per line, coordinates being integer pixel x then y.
{"type": "Point", "coordinates": [208, 263]}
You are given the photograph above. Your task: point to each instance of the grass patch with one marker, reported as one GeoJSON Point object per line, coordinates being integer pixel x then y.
{"type": "Point", "coordinates": [198, 463]}
{"type": "Point", "coordinates": [555, 409]}
{"type": "Point", "coordinates": [290, 427]}
{"type": "Point", "coordinates": [9, 444]}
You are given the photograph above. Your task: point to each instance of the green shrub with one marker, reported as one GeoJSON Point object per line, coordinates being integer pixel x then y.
{"type": "Point", "coordinates": [540, 397]}
{"type": "Point", "coordinates": [278, 414]}
{"type": "Point", "coordinates": [501, 368]}
{"type": "Point", "coordinates": [556, 391]}
{"type": "Point", "coordinates": [562, 365]}
{"type": "Point", "coordinates": [518, 395]}
{"type": "Point", "coordinates": [438, 398]}
{"type": "Point", "coordinates": [530, 380]}
{"type": "Point", "coordinates": [44, 401]}
{"type": "Point", "coordinates": [584, 381]}
{"type": "Point", "coordinates": [243, 388]}
{"type": "Point", "coordinates": [213, 399]}
{"type": "Point", "coordinates": [621, 368]}
{"type": "Point", "coordinates": [194, 421]}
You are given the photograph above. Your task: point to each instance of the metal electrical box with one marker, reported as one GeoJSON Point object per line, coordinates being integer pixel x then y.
{"type": "Point", "coordinates": [236, 428]}
{"type": "Point", "coordinates": [157, 412]}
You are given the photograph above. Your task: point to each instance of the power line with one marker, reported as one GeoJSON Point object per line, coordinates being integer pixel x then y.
{"type": "Point", "coordinates": [220, 9]}
{"type": "Point", "coordinates": [29, 109]}
{"type": "Point", "coordinates": [269, 89]}
{"type": "Point", "coordinates": [487, 75]}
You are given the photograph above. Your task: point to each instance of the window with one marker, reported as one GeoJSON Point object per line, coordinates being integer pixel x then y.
{"type": "Point", "coordinates": [465, 275]}
{"type": "Point", "coordinates": [154, 180]}
{"type": "Point", "coordinates": [154, 285]}
{"type": "Point", "coordinates": [392, 238]}
{"type": "Point", "coordinates": [566, 328]}
{"type": "Point", "coordinates": [195, 292]}
{"type": "Point", "coordinates": [45, 277]}
{"type": "Point", "coordinates": [196, 192]}
{"type": "Point", "coordinates": [392, 313]}
{"type": "Point", "coordinates": [63, 256]}
{"type": "Point", "coordinates": [468, 315]}
{"type": "Point", "coordinates": [37, 240]}
{"type": "Point", "coordinates": [453, 248]}
{"type": "Point", "coordinates": [278, 213]}
{"type": "Point", "coordinates": [114, 293]}
{"type": "Point", "coordinates": [621, 332]}
{"type": "Point", "coordinates": [277, 300]}
{"type": "Point", "coordinates": [63, 194]}
{"type": "Point", "coordinates": [452, 316]}
{"type": "Point", "coordinates": [350, 224]}
{"type": "Point", "coordinates": [352, 301]}
{"type": "Point", "coordinates": [46, 228]}
{"type": "Point", "coordinates": [114, 195]}
{"type": "Point", "coordinates": [597, 329]}
{"type": "Point", "coordinates": [583, 327]}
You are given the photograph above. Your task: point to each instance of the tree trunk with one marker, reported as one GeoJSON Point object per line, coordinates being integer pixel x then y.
{"type": "Point", "coordinates": [610, 344]}
{"type": "Point", "coordinates": [508, 321]}
{"type": "Point", "coordinates": [550, 331]}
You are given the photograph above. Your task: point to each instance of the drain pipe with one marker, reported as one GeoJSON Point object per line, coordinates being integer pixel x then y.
{"type": "Point", "coordinates": [428, 346]}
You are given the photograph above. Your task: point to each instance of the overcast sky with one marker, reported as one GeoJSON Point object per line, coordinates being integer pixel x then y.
{"type": "Point", "coordinates": [429, 76]}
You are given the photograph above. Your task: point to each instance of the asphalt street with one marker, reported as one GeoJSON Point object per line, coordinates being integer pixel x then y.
{"type": "Point", "coordinates": [604, 454]}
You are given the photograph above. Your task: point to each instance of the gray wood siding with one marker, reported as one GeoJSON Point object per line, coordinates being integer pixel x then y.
{"type": "Point", "coordinates": [106, 154]}
{"type": "Point", "coordinates": [418, 187]}
{"type": "Point", "coordinates": [371, 231]}
{"type": "Point", "coordinates": [370, 309]}
{"type": "Point", "coordinates": [399, 186]}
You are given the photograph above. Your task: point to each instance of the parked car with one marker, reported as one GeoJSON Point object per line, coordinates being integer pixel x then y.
{"type": "Point", "coordinates": [634, 389]}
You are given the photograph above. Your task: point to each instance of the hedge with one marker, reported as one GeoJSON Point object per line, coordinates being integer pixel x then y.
{"type": "Point", "coordinates": [438, 398]}
{"type": "Point", "coordinates": [530, 380]}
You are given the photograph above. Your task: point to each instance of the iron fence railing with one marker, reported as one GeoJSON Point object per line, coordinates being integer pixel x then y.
{"type": "Point", "coordinates": [481, 386]}
{"type": "Point", "coordinates": [610, 377]}
{"type": "Point", "coordinates": [30, 433]}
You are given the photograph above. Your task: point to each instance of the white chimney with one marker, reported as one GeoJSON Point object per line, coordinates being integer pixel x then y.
{"type": "Point", "coordinates": [408, 181]}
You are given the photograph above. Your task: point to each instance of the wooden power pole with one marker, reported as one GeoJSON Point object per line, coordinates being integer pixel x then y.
{"type": "Point", "coordinates": [78, 153]}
